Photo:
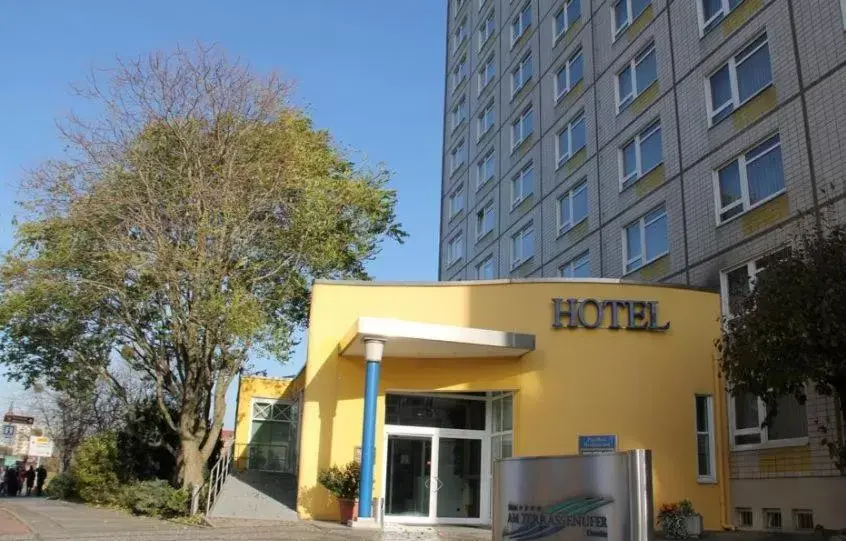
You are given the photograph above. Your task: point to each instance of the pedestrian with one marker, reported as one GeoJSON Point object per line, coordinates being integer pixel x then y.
{"type": "Point", "coordinates": [40, 477]}
{"type": "Point", "coordinates": [30, 480]}
{"type": "Point", "coordinates": [11, 481]}
{"type": "Point", "coordinates": [21, 478]}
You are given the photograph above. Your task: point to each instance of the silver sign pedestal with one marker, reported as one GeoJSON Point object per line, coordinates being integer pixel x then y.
{"type": "Point", "coordinates": [574, 498]}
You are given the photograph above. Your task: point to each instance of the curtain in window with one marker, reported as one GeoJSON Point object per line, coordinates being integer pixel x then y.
{"type": "Point", "coordinates": [561, 80]}
{"type": "Point", "coordinates": [580, 204]}
{"type": "Point", "coordinates": [765, 175]}
{"type": "Point", "coordinates": [656, 238]}
{"type": "Point", "coordinates": [647, 71]}
{"type": "Point", "coordinates": [629, 159]}
{"type": "Point", "coordinates": [625, 83]}
{"type": "Point", "coordinates": [527, 124]}
{"type": "Point", "coordinates": [746, 411]}
{"type": "Point", "coordinates": [790, 422]}
{"type": "Point", "coordinates": [576, 69]}
{"type": "Point", "coordinates": [563, 145]}
{"type": "Point", "coordinates": [721, 91]}
{"type": "Point", "coordinates": [633, 245]}
{"type": "Point", "coordinates": [650, 151]}
{"type": "Point", "coordinates": [528, 242]}
{"type": "Point", "coordinates": [578, 134]}
{"type": "Point", "coordinates": [754, 73]}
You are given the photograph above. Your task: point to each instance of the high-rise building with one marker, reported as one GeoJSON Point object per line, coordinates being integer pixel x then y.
{"type": "Point", "coordinates": [679, 141]}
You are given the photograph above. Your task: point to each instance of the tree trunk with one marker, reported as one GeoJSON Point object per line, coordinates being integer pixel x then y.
{"type": "Point", "coordinates": [193, 463]}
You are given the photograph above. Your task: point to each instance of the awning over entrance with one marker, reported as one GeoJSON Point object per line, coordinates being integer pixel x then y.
{"type": "Point", "coordinates": [411, 339]}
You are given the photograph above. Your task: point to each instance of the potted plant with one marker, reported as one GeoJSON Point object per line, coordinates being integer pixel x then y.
{"type": "Point", "coordinates": [679, 520]}
{"type": "Point", "coordinates": [342, 482]}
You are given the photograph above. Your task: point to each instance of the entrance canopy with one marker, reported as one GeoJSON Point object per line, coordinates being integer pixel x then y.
{"type": "Point", "coordinates": [411, 339]}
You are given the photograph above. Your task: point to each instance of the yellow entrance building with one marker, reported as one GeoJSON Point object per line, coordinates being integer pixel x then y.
{"type": "Point", "coordinates": [443, 379]}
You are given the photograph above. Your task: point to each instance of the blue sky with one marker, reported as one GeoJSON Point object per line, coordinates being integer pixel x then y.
{"type": "Point", "coordinates": [370, 71]}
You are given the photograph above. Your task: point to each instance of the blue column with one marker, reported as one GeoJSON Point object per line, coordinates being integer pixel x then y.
{"type": "Point", "coordinates": [368, 439]}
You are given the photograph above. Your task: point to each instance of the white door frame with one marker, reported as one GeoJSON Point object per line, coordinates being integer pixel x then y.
{"type": "Point", "coordinates": [435, 434]}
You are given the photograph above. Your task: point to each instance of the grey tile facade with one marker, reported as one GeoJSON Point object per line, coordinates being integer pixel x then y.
{"type": "Point", "coordinates": [805, 105]}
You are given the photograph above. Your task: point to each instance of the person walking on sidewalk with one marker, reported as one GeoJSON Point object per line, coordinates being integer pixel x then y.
{"type": "Point", "coordinates": [30, 480]}
{"type": "Point", "coordinates": [40, 478]}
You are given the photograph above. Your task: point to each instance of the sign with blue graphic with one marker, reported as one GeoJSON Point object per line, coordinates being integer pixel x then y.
{"type": "Point", "coordinates": [597, 444]}
{"type": "Point", "coordinates": [8, 434]}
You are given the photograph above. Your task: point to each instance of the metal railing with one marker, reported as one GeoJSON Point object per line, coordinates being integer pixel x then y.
{"type": "Point", "coordinates": [217, 478]}
{"type": "Point", "coordinates": [277, 457]}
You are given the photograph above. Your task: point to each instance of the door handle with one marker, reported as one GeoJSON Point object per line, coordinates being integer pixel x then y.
{"type": "Point", "coordinates": [427, 483]}
{"type": "Point", "coordinates": [439, 484]}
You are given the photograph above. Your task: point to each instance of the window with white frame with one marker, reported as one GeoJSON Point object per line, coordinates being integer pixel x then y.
{"type": "Point", "coordinates": [485, 120]}
{"type": "Point", "coordinates": [487, 29]}
{"type": "Point", "coordinates": [273, 433]}
{"type": "Point", "coordinates": [712, 12]}
{"type": "Point", "coordinates": [565, 17]}
{"type": "Point", "coordinates": [747, 412]}
{"type": "Point", "coordinates": [486, 73]}
{"type": "Point", "coordinates": [745, 517]}
{"type": "Point", "coordinates": [485, 220]}
{"type": "Point", "coordinates": [645, 240]}
{"type": "Point", "coordinates": [569, 74]}
{"type": "Point", "coordinates": [636, 77]}
{"type": "Point", "coordinates": [803, 519]}
{"type": "Point", "coordinates": [522, 245]}
{"type": "Point", "coordinates": [459, 35]}
{"type": "Point", "coordinates": [626, 11]}
{"type": "Point", "coordinates": [459, 73]}
{"type": "Point", "coordinates": [522, 184]}
{"type": "Point", "coordinates": [456, 201]}
{"type": "Point", "coordinates": [521, 23]}
{"type": "Point", "coordinates": [571, 139]}
{"type": "Point", "coordinates": [754, 177]}
{"type": "Point", "coordinates": [502, 426]}
{"type": "Point", "coordinates": [743, 77]}
{"type": "Point", "coordinates": [640, 155]}
{"type": "Point", "coordinates": [772, 519]}
{"type": "Point", "coordinates": [485, 168]}
{"type": "Point", "coordinates": [459, 112]}
{"type": "Point", "coordinates": [705, 453]}
{"type": "Point", "coordinates": [578, 267]}
{"type": "Point", "coordinates": [736, 284]}
{"type": "Point", "coordinates": [521, 74]}
{"type": "Point", "coordinates": [522, 128]}
{"type": "Point", "coordinates": [455, 248]}
{"type": "Point", "coordinates": [456, 156]}
{"type": "Point", "coordinates": [485, 269]}
{"type": "Point", "coordinates": [572, 207]}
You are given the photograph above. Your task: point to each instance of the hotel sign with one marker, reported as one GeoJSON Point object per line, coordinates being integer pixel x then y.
{"type": "Point", "coordinates": [628, 315]}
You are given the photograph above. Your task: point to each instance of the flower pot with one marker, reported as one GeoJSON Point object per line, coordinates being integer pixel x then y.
{"type": "Point", "coordinates": [693, 525]}
{"type": "Point", "coordinates": [349, 510]}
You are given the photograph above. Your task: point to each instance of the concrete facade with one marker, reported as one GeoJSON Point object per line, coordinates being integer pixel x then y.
{"type": "Point", "coordinates": [802, 105]}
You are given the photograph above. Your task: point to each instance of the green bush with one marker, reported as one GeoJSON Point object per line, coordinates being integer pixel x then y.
{"type": "Point", "coordinates": [156, 499]}
{"type": "Point", "coordinates": [95, 467]}
{"type": "Point", "coordinates": [62, 487]}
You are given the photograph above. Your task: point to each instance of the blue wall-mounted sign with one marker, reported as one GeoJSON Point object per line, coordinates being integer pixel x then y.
{"type": "Point", "coordinates": [597, 444]}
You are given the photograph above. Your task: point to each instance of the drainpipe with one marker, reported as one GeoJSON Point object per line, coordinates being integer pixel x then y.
{"type": "Point", "coordinates": [722, 450]}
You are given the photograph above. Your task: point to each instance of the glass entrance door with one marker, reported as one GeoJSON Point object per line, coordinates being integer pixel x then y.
{"type": "Point", "coordinates": [436, 475]}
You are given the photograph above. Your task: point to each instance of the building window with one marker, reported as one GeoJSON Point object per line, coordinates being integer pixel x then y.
{"type": "Point", "coordinates": [485, 120]}
{"type": "Point", "coordinates": [485, 220]}
{"type": "Point", "coordinates": [522, 185]}
{"type": "Point", "coordinates": [487, 29]}
{"type": "Point", "coordinates": [273, 436]}
{"type": "Point", "coordinates": [521, 128]}
{"type": "Point", "coordinates": [749, 180]}
{"type": "Point", "coordinates": [459, 73]}
{"type": "Point", "coordinates": [788, 428]}
{"type": "Point", "coordinates": [485, 269]}
{"type": "Point", "coordinates": [578, 267]}
{"type": "Point", "coordinates": [743, 77]}
{"type": "Point", "coordinates": [456, 202]}
{"type": "Point", "coordinates": [569, 75]}
{"type": "Point", "coordinates": [571, 139]}
{"type": "Point", "coordinates": [626, 11]}
{"type": "Point", "coordinates": [485, 169]}
{"type": "Point", "coordinates": [572, 208]}
{"type": "Point", "coordinates": [772, 519]}
{"type": "Point", "coordinates": [486, 73]}
{"type": "Point", "coordinates": [645, 240]}
{"type": "Point", "coordinates": [456, 157]}
{"type": "Point", "coordinates": [636, 77]}
{"type": "Point", "coordinates": [640, 155]}
{"type": "Point", "coordinates": [745, 517]}
{"type": "Point", "coordinates": [705, 454]}
{"type": "Point", "coordinates": [459, 35]}
{"type": "Point", "coordinates": [455, 249]}
{"type": "Point", "coordinates": [711, 12]}
{"type": "Point", "coordinates": [803, 519]}
{"type": "Point", "coordinates": [522, 246]}
{"type": "Point", "coordinates": [521, 23]}
{"type": "Point", "coordinates": [522, 74]}
{"type": "Point", "coordinates": [502, 426]}
{"type": "Point", "coordinates": [736, 284]}
{"type": "Point", "coordinates": [564, 19]}
{"type": "Point", "coordinates": [459, 112]}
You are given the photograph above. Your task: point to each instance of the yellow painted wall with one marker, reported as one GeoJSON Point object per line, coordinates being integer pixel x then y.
{"type": "Point", "coordinates": [250, 387]}
{"type": "Point", "coordinates": [637, 385]}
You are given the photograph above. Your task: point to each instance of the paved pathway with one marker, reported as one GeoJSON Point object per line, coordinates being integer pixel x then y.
{"type": "Point", "coordinates": [38, 519]}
